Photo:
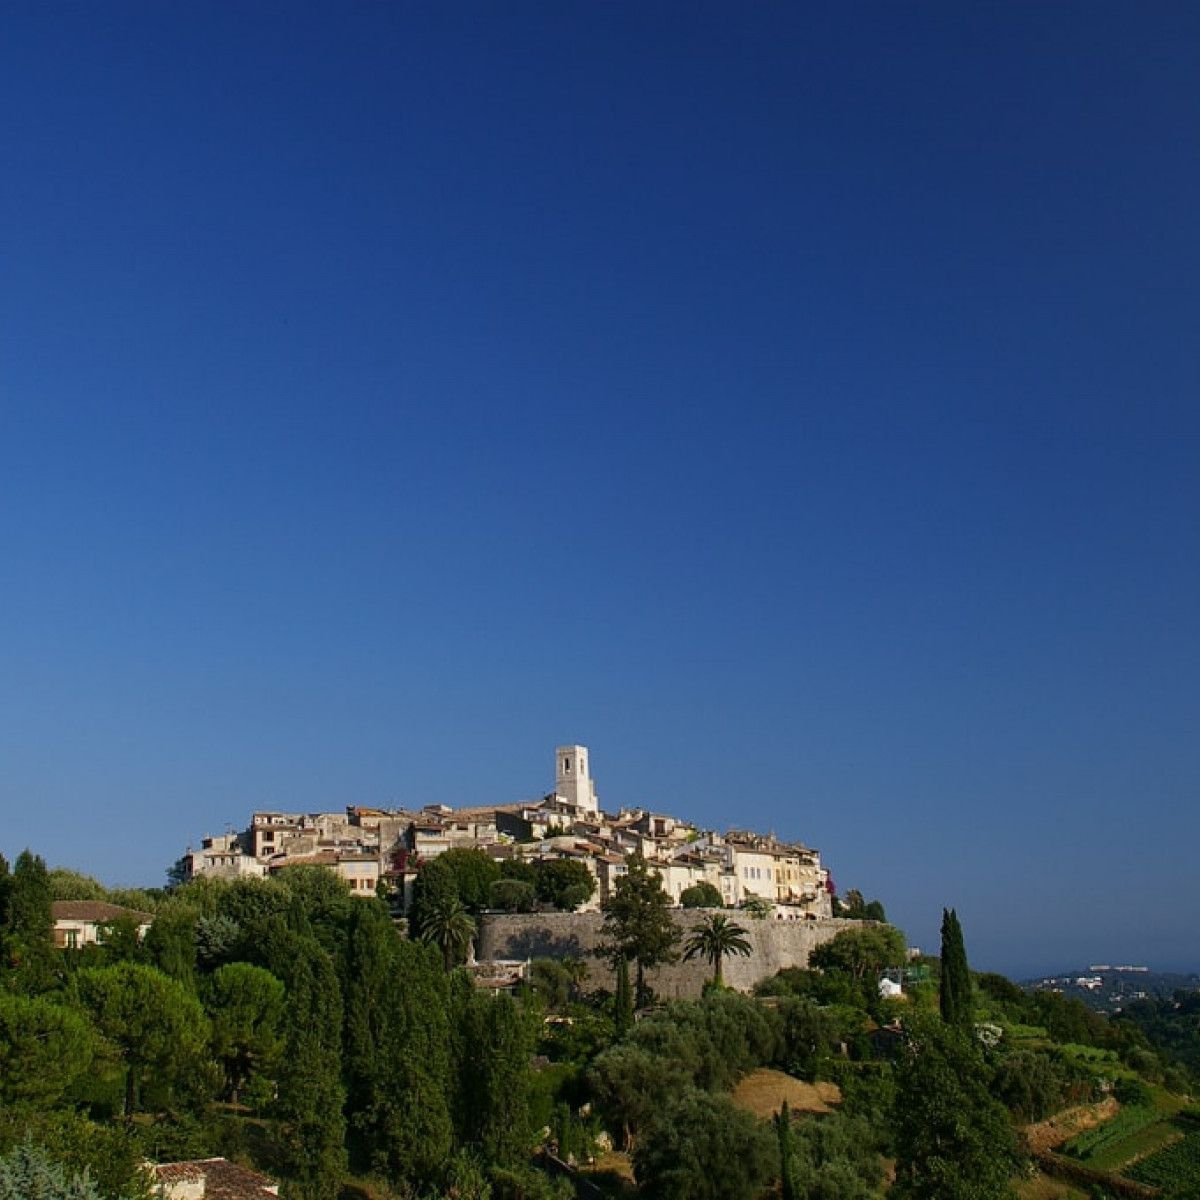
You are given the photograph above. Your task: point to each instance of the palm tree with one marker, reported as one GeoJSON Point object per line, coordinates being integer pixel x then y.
{"type": "Point", "coordinates": [715, 938]}
{"type": "Point", "coordinates": [448, 925]}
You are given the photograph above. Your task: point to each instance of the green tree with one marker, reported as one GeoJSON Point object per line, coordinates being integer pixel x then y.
{"type": "Point", "coordinates": [244, 901]}
{"type": "Point", "coordinates": [854, 907]}
{"type": "Point", "coordinates": [246, 1007]}
{"type": "Point", "coordinates": [397, 1062]}
{"type": "Point", "coordinates": [861, 954]}
{"type": "Point", "coordinates": [66, 884]}
{"type": "Point", "coordinates": [310, 1097]}
{"type": "Point", "coordinates": [631, 1084]}
{"type": "Point", "coordinates": [553, 981]}
{"type": "Point", "coordinates": [120, 939]}
{"type": "Point", "coordinates": [473, 873]}
{"type": "Point", "coordinates": [953, 1139]}
{"type": "Point", "coordinates": [623, 999]}
{"type": "Point", "coordinates": [638, 924]}
{"type": "Point", "coordinates": [447, 925]}
{"type": "Point", "coordinates": [435, 883]}
{"type": "Point", "coordinates": [834, 1158]}
{"type": "Point", "coordinates": [29, 944]}
{"type": "Point", "coordinates": [512, 895]}
{"type": "Point", "coordinates": [810, 1033]}
{"type": "Point", "coordinates": [1030, 1085]}
{"type": "Point", "coordinates": [155, 1024]}
{"type": "Point", "coordinates": [783, 1133]}
{"type": "Point", "coordinates": [5, 901]}
{"type": "Point", "coordinates": [701, 895]}
{"type": "Point", "coordinates": [955, 995]}
{"type": "Point", "coordinates": [496, 1040]}
{"type": "Point", "coordinates": [714, 939]}
{"type": "Point", "coordinates": [519, 869]}
{"type": "Point", "coordinates": [700, 1147]}
{"type": "Point", "coordinates": [170, 942]}
{"type": "Point", "coordinates": [44, 1046]}
{"type": "Point", "coordinates": [218, 938]}
{"type": "Point", "coordinates": [564, 883]}
{"type": "Point", "coordinates": [320, 899]}
{"type": "Point", "coordinates": [757, 907]}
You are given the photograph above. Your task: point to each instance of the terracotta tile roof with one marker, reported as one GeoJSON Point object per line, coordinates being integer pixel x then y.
{"type": "Point", "coordinates": [94, 911]}
{"type": "Point", "coordinates": [177, 1172]}
{"type": "Point", "coordinates": [487, 810]}
{"type": "Point", "coordinates": [318, 858]}
{"type": "Point", "coordinates": [223, 1180]}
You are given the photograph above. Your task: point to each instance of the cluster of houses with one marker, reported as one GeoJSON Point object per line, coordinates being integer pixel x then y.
{"type": "Point", "coordinates": [378, 851]}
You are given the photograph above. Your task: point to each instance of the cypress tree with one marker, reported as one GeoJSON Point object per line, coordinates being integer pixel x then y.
{"type": "Point", "coordinates": [5, 888]}
{"type": "Point", "coordinates": [623, 1001]}
{"type": "Point", "coordinates": [955, 996]}
{"type": "Point", "coordinates": [29, 946]}
{"type": "Point", "coordinates": [495, 1041]}
{"type": "Point", "coordinates": [310, 1087]}
{"type": "Point", "coordinates": [397, 1052]}
{"type": "Point", "coordinates": [783, 1130]}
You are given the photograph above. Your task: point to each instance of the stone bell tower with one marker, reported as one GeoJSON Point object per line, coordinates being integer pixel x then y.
{"type": "Point", "coordinates": [571, 778]}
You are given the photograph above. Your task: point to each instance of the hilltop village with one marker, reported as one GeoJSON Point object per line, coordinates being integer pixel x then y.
{"type": "Point", "coordinates": [379, 851]}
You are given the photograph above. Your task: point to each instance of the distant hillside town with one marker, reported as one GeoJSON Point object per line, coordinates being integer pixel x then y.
{"type": "Point", "coordinates": [378, 851]}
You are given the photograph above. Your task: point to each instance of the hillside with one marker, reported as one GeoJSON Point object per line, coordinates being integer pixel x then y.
{"type": "Point", "coordinates": [1109, 989]}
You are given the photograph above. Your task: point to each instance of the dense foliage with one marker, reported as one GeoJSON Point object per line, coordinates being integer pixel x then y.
{"type": "Point", "coordinates": [289, 1025]}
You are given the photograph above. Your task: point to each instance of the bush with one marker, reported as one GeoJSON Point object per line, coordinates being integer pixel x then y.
{"type": "Point", "coordinates": [701, 895]}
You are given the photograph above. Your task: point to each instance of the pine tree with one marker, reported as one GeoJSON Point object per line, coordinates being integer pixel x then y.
{"type": "Point", "coordinates": [638, 923]}
{"type": "Point", "coordinates": [955, 996]}
{"type": "Point", "coordinates": [155, 1025]}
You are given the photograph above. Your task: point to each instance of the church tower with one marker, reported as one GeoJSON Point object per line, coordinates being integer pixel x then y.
{"type": "Point", "coordinates": [571, 779]}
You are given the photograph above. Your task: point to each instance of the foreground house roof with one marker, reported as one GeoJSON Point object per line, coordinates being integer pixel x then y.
{"type": "Point", "coordinates": [211, 1179]}
{"type": "Point", "coordinates": [95, 911]}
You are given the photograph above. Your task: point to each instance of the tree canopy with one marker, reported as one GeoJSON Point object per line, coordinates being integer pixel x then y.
{"type": "Point", "coordinates": [953, 1138]}
{"type": "Point", "coordinates": [154, 1022]}
{"type": "Point", "coordinates": [700, 1147]}
{"type": "Point", "coordinates": [701, 895]}
{"type": "Point", "coordinates": [637, 922]}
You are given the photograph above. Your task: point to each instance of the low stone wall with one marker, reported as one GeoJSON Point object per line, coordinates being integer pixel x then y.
{"type": "Point", "coordinates": [774, 945]}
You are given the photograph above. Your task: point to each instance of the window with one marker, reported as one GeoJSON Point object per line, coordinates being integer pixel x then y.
{"type": "Point", "coordinates": [566, 766]}
{"type": "Point", "coordinates": [72, 939]}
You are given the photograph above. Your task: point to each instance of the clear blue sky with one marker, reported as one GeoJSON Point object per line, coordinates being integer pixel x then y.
{"type": "Point", "coordinates": [798, 405]}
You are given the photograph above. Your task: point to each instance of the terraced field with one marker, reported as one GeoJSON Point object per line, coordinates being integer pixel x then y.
{"type": "Point", "coordinates": [1175, 1169]}
{"type": "Point", "coordinates": [1152, 1144]}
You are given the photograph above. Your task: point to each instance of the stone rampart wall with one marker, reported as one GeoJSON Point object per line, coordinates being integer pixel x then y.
{"type": "Point", "coordinates": [775, 944]}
